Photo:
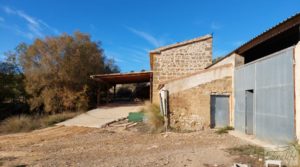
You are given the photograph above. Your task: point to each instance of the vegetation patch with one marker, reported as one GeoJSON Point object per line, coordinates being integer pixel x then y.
{"type": "Point", "coordinates": [247, 150]}
{"type": "Point", "coordinates": [248, 154]}
{"type": "Point", "coordinates": [25, 123]}
{"type": "Point", "coordinates": [224, 130]}
{"type": "Point", "coordinates": [153, 118]}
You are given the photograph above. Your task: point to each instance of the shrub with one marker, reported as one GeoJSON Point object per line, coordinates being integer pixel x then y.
{"type": "Point", "coordinates": [57, 71]}
{"type": "Point", "coordinates": [26, 123]}
{"type": "Point", "coordinates": [154, 118]}
{"type": "Point", "coordinates": [19, 124]}
{"type": "Point", "coordinates": [56, 118]}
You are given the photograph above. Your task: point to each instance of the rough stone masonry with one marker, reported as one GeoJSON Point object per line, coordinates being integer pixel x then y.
{"type": "Point", "coordinates": [178, 60]}
{"type": "Point", "coordinates": [190, 109]}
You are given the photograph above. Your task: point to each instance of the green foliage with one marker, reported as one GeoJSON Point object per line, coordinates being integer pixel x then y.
{"type": "Point", "coordinates": [11, 80]}
{"type": "Point", "coordinates": [224, 130]}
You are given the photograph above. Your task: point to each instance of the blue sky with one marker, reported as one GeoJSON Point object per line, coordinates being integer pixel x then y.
{"type": "Point", "coordinates": [128, 29]}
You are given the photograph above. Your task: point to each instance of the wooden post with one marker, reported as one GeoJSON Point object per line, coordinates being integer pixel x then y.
{"type": "Point", "coordinates": [98, 97]}
{"type": "Point", "coordinates": [151, 87]}
{"type": "Point", "coordinates": [107, 90]}
{"type": "Point", "coordinates": [114, 91]}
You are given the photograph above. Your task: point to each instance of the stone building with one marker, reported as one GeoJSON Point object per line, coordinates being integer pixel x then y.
{"type": "Point", "coordinates": [193, 99]}
{"type": "Point", "coordinates": [178, 60]}
{"type": "Point", "coordinates": [255, 88]}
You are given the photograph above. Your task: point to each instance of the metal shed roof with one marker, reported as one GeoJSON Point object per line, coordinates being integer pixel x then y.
{"type": "Point", "coordinates": [123, 78]}
{"type": "Point", "coordinates": [290, 23]}
{"type": "Point", "coordinates": [275, 30]}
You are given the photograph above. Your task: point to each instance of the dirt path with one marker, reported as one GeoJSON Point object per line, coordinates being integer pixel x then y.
{"type": "Point", "coordinates": [79, 146]}
{"type": "Point", "coordinates": [100, 116]}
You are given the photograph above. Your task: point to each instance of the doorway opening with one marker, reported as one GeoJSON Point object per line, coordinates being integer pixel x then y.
{"type": "Point", "coordinates": [219, 116]}
{"type": "Point", "coordinates": [249, 120]}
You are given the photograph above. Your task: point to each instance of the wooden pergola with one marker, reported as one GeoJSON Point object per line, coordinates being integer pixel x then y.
{"type": "Point", "coordinates": [123, 78]}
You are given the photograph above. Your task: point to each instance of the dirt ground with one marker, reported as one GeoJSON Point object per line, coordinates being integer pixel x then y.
{"type": "Point", "coordinates": [114, 146]}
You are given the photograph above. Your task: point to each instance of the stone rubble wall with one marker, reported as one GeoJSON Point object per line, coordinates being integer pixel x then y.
{"type": "Point", "coordinates": [190, 109]}
{"type": "Point", "coordinates": [180, 61]}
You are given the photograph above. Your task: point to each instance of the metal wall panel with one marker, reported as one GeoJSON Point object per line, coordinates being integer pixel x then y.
{"type": "Point", "coordinates": [219, 111]}
{"type": "Point", "coordinates": [272, 81]}
{"type": "Point", "coordinates": [239, 112]}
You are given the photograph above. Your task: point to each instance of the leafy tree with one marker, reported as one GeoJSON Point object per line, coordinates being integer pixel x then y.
{"type": "Point", "coordinates": [11, 80]}
{"type": "Point", "coordinates": [57, 71]}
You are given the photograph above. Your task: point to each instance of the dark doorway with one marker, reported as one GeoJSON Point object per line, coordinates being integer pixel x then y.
{"type": "Point", "coordinates": [219, 111]}
{"type": "Point", "coordinates": [249, 112]}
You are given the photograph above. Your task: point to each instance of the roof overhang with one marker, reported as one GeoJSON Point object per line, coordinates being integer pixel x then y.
{"type": "Point", "coordinates": [280, 28]}
{"type": "Point", "coordinates": [282, 35]}
{"type": "Point", "coordinates": [123, 78]}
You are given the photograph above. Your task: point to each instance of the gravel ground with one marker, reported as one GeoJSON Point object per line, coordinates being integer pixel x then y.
{"type": "Point", "coordinates": [115, 146]}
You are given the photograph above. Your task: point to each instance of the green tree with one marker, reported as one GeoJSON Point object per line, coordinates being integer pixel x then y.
{"type": "Point", "coordinates": [11, 81]}
{"type": "Point", "coordinates": [57, 71]}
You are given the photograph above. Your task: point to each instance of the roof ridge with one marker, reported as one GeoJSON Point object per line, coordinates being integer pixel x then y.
{"type": "Point", "coordinates": [201, 38]}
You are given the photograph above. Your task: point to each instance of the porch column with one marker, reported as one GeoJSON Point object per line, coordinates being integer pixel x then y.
{"type": "Point", "coordinates": [114, 90]}
{"type": "Point", "coordinates": [98, 97]}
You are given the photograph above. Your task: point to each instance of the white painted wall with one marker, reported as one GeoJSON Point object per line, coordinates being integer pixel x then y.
{"type": "Point", "coordinates": [297, 88]}
{"type": "Point", "coordinates": [202, 77]}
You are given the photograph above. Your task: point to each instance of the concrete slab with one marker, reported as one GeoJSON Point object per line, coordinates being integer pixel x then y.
{"type": "Point", "coordinates": [98, 117]}
{"type": "Point", "coordinates": [253, 140]}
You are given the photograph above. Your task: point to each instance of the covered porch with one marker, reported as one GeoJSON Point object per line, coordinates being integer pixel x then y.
{"type": "Point", "coordinates": [135, 79]}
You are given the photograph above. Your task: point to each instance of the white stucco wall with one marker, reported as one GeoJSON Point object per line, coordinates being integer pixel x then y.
{"type": "Point", "coordinates": [297, 89]}
{"type": "Point", "coordinates": [202, 77]}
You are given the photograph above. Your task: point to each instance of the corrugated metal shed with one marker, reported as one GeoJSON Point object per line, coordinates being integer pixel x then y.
{"type": "Point", "coordinates": [273, 88]}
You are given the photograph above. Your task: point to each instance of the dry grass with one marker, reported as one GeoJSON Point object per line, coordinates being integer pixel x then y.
{"type": "Point", "coordinates": [56, 118]}
{"type": "Point", "coordinates": [154, 119]}
{"type": "Point", "coordinates": [247, 150]}
{"type": "Point", "coordinates": [25, 123]}
{"type": "Point", "coordinates": [224, 130]}
{"type": "Point", "coordinates": [19, 124]}
{"type": "Point", "coordinates": [248, 154]}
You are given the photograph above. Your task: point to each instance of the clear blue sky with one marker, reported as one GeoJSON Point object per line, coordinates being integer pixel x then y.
{"type": "Point", "coordinates": [129, 29]}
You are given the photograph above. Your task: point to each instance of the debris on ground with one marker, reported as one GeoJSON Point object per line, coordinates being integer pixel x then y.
{"type": "Point", "coordinates": [116, 146]}
{"type": "Point", "coordinates": [240, 165]}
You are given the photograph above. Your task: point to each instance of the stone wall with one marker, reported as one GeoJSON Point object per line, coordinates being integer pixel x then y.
{"type": "Point", "coordinates": [190, 109]}
{"type": "Point", "coordinates": [179, 61]}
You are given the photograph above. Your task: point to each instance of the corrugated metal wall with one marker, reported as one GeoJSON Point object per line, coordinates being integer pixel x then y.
{"type": "Point", "coordinates": [271, 79]}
